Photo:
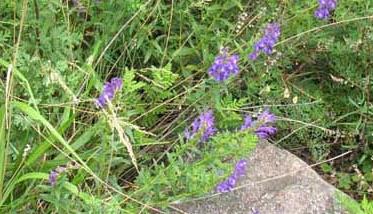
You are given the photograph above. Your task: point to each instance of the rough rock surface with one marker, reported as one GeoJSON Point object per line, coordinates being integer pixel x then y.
{"type": "Point", "coordinates": [277, 182]}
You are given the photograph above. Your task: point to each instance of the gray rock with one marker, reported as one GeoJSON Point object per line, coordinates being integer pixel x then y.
{"type": "Point", "coordinates": [277, 182]}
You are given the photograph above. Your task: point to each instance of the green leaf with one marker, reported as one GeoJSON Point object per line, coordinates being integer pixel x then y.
{"type": "Point", "coordinates": [326, 167]}
{"type": "Point", "coordinates": [3, 150]}
{"type": "Point", "coordinates": [39, 118]}
{"type": "Point", "coordinates": [367, 206]}
{"type": "Point", "coordinates": [42, 148]}
{"type": "Point", "coordinates": [31, 176]}
{"type": "Point", "coordinates": [24, 80]}
{"type": "Point", "coordinates": [84, 196]}
{"type": "Point", "coordinates": [67, 185]}
{"type": "Point", "coordinates": [81, 141]}
{"type": "Point", "coordinates": [349, 204]}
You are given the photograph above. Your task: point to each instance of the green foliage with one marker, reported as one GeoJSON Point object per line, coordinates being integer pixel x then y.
{"type": "Point", "coordinates": [191, 171]}
{"type": "Point", "coordinates": [353, 207]}
{"type": "Point", "coordinates": [56, 55]}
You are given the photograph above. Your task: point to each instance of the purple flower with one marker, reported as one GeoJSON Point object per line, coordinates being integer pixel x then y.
{"type": "Point", "coordinates": [322, 13]}
{"type": "Point", "coordinates": [262, 126]}
{"type": "Point", "coordinates": [240, 168]}
{"type": "Point", "coordinates": [203, 124]}
{"type": "Point", "coordinates": [228, 184]}
{"type": "Point", "coordinates": [248, 122]}
{"type": "Point", "coordinates": [224, 66]}
{"type": "Point", "coordinates": [116, 83]}
{"type": "Point", "coordinates": [223, 187]}
{"type": "Point", "coordinates": [108, 92]}
{"type": "Point", "coordinates": [267, 117]}
{"type": "Point", "coordinates": [267, 42]}
{"type": "Point", "coordinates": [53, 175]}
{"type": "Point", "coordinates": [231, 181]}
{"type": "Point", "coordinates": [264, 132]}
{"type": "Point", "coordinates": [325, 8]}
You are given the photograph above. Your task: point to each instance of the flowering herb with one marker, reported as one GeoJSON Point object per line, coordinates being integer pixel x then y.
{"type": "Point", "coordinates": [224, 66]}
{"type": "Point", "coordinates": [228, 184]}
{"type": "Point", "coordinates": [248, 123]}
{"type": "Point", "coordinates": [53, 175]}
{"type": "Point", "coordinates": [262, 126]}
{"type": "Point", "coordinates": [110, 88]}
{"type": "Point", "coordinates": [203, 124]}
{"type": "Point", "coordinates": [325, 8]}
{"type": "Point", "coordinates": [267, 117]}
{"type": "Point", "coordinates": [264, 132]}
{"type": "Point", "coordinates": [267, 42]}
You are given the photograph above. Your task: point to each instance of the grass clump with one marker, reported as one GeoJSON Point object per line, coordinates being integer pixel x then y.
{"type": "Point", "coordinates": [131, 154]}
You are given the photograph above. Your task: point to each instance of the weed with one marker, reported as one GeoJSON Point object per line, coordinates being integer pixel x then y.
{"type": "Point", "coordinates": [130, 153]}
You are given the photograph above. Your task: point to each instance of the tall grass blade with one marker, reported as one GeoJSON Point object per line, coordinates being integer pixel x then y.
{"type": "Point", "coordinates": [33, 114]}
{"type": "Point", "coordinates": [2, 150]}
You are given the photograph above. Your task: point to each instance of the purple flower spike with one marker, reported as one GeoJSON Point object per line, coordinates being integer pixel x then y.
{"type": "Point", "coordinates": [53, 175]}
{"type": "Point", "coordinates": [231, 181]}
{"type": "Point", "coordinates": [322, 13]}
{"type": "Point", "coordinates": [204, 124]}
{"type": "Point", "coordinates": [262, 126]}
{"type": "Point", "coordinates": [110, 88]}
{"type": "Point", "coordinates": [240, 168]}
{"type": "Point", "coordinates": [264, 132]}
{"type": "Point", "coordinates": [248, 123]}
{"type": "Point", "coordinates": [267, 42]}
{"type": "Point", "coordinates": [325, 8]}
{"type": "Point", "coordinates": [224, 66]}
{"type": "Point", "coordinates": [223, 187]}
{"type": "Point", "coordinates": [228, 184]}
{"type": "Point", "coordinates": [116, 83]}
{"type": "Point", "coordinates": [53, 178]}
{"type": "Point", "coordinates": [267, 117]}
